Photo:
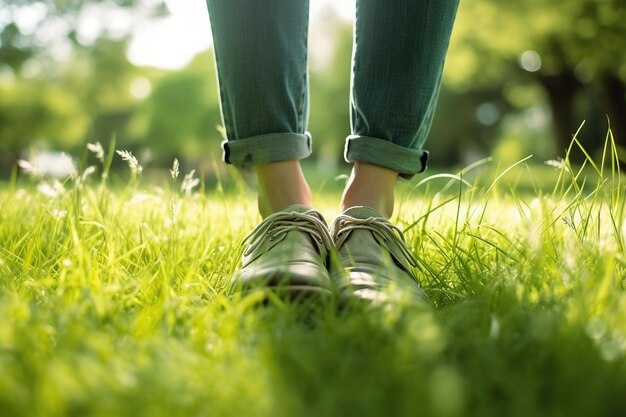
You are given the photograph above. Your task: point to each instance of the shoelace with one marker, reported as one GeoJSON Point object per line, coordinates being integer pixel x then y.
{"type": "Point", "coordinates": [285, 221]}
{"type": "Point", "coordinates": [379, 226]}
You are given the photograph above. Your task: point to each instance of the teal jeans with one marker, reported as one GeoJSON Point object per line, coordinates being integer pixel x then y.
{"type": "Point", "coordinates": [399, 48]}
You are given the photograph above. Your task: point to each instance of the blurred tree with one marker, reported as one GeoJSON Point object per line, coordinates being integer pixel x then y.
{"type": "Point", "coordinates": [35, 111]}
{"type": "Point", "coordinates": [13, 51]}
{"type": "Point", "coordinates": [65, 78]}
{"type": "Point", "coordinates": [181, 117]}
{"type": "Point", "coordinates": [564, 47]}
{"type": "Point", "coordinates": [329, 121]}
{"type": "Point", "coordinates": [43, 28]}
{"type": "Point", "coordinates": [88, 97]}
{"type": "Point", "coordinates": [102, 79]}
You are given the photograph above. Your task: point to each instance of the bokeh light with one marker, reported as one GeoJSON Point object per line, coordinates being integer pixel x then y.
{"type": "Point", "coordinates": [488, 113]}
{"type": "Point", "coordinates": [530, 61]}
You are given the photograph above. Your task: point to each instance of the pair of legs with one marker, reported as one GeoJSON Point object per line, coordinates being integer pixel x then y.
{"type": "Point", "coordinates": [261, 56]}
{"type": "Point", "coordinates": [282, 184]}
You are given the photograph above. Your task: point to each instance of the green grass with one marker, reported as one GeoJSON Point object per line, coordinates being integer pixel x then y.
{"type": "Point", "coordinates": [112, 304]}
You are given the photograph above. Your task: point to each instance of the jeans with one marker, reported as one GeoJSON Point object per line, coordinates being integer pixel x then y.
{"type": "Point", "coordinates": [399, 48]}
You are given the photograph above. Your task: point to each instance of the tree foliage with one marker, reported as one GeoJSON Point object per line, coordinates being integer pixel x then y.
{"type": "Point", "coordinates": [579, 44]}
{"type": "Point", "coordinates": [47, 28]}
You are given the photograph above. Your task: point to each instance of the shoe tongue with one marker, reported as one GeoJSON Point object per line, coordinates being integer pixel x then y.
{"type": "Point", "coordinates": [361, 212]}
{"type": "Point", "coordinates": [299, 208]}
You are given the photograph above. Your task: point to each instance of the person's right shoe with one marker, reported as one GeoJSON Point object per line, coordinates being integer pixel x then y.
{"type": "Point", "coordinates": [287, 254]}
{"type": "Point", "coordinates": [371, 261]}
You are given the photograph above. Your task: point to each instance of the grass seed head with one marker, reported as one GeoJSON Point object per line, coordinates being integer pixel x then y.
{"type": "Point", "coordinates": [133, 164]}
{"type": "Point", "coordinates": [33, 169]}
{"type": "Point", "coordinates": [556, 163]}
{"type": "Point", "coordinates": [189, 182]}
{"type": "Point", "coordinates": [97, 150]}
{"type": "Point", "coordinates": [51, 190]}
{"type": "Point", "coordinates": [174, 171]}
{"type": "Point", "coordinates": [86, 173]}
{"type": "Point", "coordinates": [69, 166]}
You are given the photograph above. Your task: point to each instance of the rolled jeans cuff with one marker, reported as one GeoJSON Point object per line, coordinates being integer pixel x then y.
{"type": "Point", "coordinates": [262, 149]}
{"type": "Point", "coordinates": [405, 161]}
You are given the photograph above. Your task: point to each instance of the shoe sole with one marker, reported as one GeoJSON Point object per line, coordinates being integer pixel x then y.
{"type": "Point", "coordinates": [291, 293]}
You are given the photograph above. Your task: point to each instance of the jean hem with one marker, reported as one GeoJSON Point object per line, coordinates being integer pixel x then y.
{"type": "Point", "coordinates": [261, 149]}
{"type": "Point", "coordinates": [405, 161]}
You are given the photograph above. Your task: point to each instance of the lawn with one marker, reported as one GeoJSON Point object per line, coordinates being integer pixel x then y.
{"type": "Point", "coordinates": [112, 303]}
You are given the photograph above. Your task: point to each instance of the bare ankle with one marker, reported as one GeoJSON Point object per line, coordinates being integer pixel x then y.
{"type": "Point", "coordinates": [281, 184]}
{"type": "Point", "coordinates": [371, 186]}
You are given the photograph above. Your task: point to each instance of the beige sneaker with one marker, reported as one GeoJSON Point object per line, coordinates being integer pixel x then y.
{"type": "Point", "coordinates": [287, 254]}
{"type": "Point", "coordinates": [371, 261]}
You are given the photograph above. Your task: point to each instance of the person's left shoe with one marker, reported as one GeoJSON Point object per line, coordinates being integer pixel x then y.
{"type": "Point", "coordinates": [371, 262]}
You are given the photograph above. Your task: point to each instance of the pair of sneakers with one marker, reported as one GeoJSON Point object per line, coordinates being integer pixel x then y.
{"type": "Point", "coordinates": [361, 257]}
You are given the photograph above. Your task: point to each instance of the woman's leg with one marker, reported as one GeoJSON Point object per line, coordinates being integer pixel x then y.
{"type": "Point", "coordinates": [261, 57]}
{"type": "Point", "coordinates": [398, 57]}
{"type": "Point", "coordinates": [399, 51]}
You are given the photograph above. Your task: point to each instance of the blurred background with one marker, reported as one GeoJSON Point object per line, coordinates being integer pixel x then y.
{"type": "Point", "coordinates": [520, 79]}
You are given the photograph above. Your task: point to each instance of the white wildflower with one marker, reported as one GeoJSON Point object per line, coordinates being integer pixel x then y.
{"type": "Point", "coordinates": [51, 190]}
{"type": "Point", "coordinates": [45, 189]}
{"type": "Point", "coordinates": [174, 171]}
{"type": "Point", "coordinates": [86, 173]}
{"type": "Point", "coordinates": [31, 168]}
{"type": "Point", "coordinates": [69, 166]}
{"type": "Point", "coordinates": [557, 163]}
{"type": "Point", "coordinates": [189, 182]}
{"type": "Point", "coordinates": [133, 164]}
{"type": "Point", "coordinates": [97, 150]}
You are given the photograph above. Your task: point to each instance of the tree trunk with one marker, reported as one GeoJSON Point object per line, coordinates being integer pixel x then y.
{"type": "Point", "coordinates": [561, 90]}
